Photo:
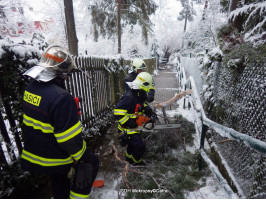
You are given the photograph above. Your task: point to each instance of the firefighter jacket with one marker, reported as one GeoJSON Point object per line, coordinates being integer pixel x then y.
{"type": "Point", "coordinates": [51, 129]}
{"type": "Point", "coordinates": [124, 112]}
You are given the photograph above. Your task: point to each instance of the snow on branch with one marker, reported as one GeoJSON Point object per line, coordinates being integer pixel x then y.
{"type": "Point", "coordinates": [257, 39]}
{"type": "Point", "coordinates": [247, 9]}
{"type": "Point", "coordinates": [257, 28]}
{"type": "Point", "coordinates": [174, 99]}
{"type": "Point", "coordinates": [259, 9]}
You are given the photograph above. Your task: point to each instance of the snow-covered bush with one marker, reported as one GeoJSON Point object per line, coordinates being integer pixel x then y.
{"type": "Point", "coordinates": [16, 183]}
{"type": "Point", "coordinates": [15, 59]}
{"type": "Point", "coordinates": [215, 54]}
{"type": "Point", "coordinates": [228, 37]}
{"type": "Point", "coordinates": [242, 55]}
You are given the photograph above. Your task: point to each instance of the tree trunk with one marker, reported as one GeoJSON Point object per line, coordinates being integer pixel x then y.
{"type": "Point", "coordinates": [238, 22]}
{"type": "Point", "coordinates": [119, 25]}
{"type": "Point", "coordinates": [205, 10]}
{"type": "Point", "coordinates": [70, 28]}
{"type": "Point", "coordinates": [185, 27]}
{"type": "Point", "coordinates": [233, 5]}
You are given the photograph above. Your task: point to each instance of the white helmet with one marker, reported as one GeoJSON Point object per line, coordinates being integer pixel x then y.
{"type": "Point", "coordinates": [144, 81]}
{"type": "Point", "coordinates": [138, 64]}
{"type": "Point", "coordinates": [55, 62]}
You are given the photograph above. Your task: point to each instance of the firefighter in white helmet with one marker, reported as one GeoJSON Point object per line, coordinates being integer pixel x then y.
{"type": "Point", "coordinates": [52, 130]}
{"type": "Point", "coordinates": [126, 112]}
{"type": "Point", "coordinates": [138, 65]}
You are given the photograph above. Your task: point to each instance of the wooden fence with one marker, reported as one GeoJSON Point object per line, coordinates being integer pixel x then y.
{"type": "Point", "coordinates": [100, 86]}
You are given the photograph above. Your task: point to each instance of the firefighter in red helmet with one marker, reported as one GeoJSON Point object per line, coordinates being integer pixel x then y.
{"type": "Point", "coordinates": [52, 130]}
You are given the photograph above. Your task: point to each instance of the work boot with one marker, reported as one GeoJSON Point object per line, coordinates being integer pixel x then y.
{"type": "Point", "coordinates": [129, 160]}
{"type": "Point", "coordinates": [143, 164]}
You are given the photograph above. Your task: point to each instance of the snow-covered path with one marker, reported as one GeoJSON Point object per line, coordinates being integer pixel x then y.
{"type": "Point", "coordinates": [111, 170]}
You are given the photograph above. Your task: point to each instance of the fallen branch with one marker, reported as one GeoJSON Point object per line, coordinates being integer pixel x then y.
{"type": "Point", "coordinates": [125, 174]}
{"type": "Point", "coordinates": [158, 185]}
{"type": "Point", "coordinates": [126, 167]}
{"type": "Point", "coordinates": [171, 101]}
{"type": "Point", "coordinates": [116, 154]}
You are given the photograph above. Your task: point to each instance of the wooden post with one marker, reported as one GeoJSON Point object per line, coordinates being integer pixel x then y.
{"type": "Point", "coordinates": [7, 140]}
{"type": "Point", "coordinates": [202, 139]}
{"type": "Point", "coordinates": [185, 27]}
{"type": "Point", "coordinates": [203, 134]}
{"type": "Point", "coordinates": [119, 25]}
{"type": "Point", "coordinates": [70, 28]}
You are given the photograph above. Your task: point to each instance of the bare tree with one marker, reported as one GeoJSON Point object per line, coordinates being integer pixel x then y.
{"type": "Point", "coordinates": [70, 28]}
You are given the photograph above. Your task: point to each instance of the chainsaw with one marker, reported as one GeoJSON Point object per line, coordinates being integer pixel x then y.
{"type": "Point", "coordinates": [152, 127]}
{"type": "Point", "coordinates": [147, 124]}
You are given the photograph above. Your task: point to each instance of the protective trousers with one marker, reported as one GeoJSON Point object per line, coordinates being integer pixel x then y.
{"type": "Point", "coordinates": [63, 189]}
{"type": "Point", "coordinates": [135, 149]}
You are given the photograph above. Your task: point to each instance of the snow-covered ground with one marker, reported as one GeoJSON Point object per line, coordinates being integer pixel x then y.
{"type": "Point", "coordinates": [211, 190]}
{"type": "Point", "coordinates": [168, 31]}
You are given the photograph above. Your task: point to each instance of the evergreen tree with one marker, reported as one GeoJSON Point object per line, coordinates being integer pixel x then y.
{"type": "Point", "coordinates": [187, 12]}
{"type": "Point", "coordinates": [104, 16]}
{"type": "Point", "coordinates": [224, 5]}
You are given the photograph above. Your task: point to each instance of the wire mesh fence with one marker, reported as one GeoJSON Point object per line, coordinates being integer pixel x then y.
{"type": "Point", "coordinates": [236, 100]}
{"type": "Point", "coordinates": [240, 104]}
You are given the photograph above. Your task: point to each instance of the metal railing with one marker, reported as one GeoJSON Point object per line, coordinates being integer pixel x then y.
{"type": "Point", "coordinates": [202, 124]}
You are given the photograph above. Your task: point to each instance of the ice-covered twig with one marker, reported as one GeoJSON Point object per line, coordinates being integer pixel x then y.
{"type": "Point", "coordinates": [172, 100]}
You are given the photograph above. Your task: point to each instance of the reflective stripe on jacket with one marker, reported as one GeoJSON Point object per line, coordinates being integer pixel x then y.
{"type": "Point", "coordinates": [51, 129]}
{"type": "Point", "coordinates": [124, 112]}
{"type": "Point", "coordinates": [74, 195]}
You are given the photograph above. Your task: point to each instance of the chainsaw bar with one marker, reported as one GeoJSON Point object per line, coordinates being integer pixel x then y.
{"type": "Point", "coordinates": [165, 126]}
{"type": "Point", "coordinates": [160, 127]}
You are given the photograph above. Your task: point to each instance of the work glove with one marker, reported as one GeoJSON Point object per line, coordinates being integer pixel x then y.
{"type": "Point", "coordinates": [154, 117]}
{"type": "Point", "coordinates": [150, 96]}
{"type": "Point", "coordinates": [148, 111]}
{"type": "Point", "coordinates": [71, 174]}
{"type": "Point", "coordinates": [84, 173]}
{"type": "Point", "coordinates": [123, 139]}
